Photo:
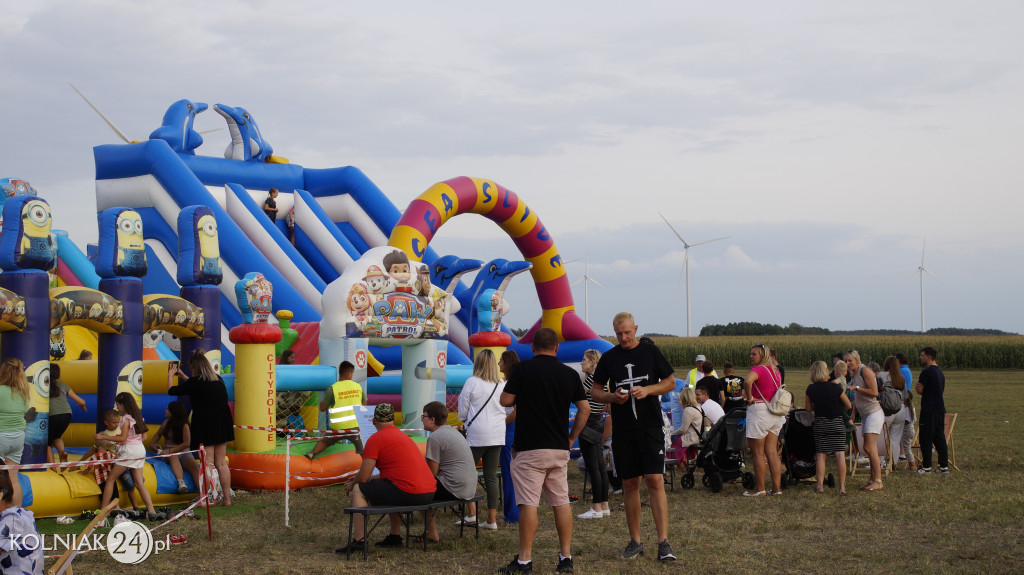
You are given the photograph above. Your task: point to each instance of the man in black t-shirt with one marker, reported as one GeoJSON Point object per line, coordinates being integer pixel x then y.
{"type": "Point", "coordinates": [715, 387]}
{"type": "Point", "coordinates": [542, 388]}
{"type": "Point", "coordinates": [637, 374]}
{"type": "Point", "coordinates": [932, 419]}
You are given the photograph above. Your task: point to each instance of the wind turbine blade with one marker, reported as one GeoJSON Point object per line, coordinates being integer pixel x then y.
{"type": "Point", "coordinates": [579, 280]}
{"type": "Point", "coordinates": [116, 130]}
{"type": "Point", "coordinates": [910, 274]}
{"type": "Point", "coordinates": [211, 131]}
{"type": "Point", "coordinates": [931, 274]}
{"type": "Point", "coordinates": [596, 283]}
{"type": "Point", "coordinates": [923, 244]}
{"type": "Point", "coordinates": [674, 230]}
{"type": "Point", "coordinates": [709, 241]}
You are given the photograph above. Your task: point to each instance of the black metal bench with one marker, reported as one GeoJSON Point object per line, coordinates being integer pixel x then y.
{"type": "Point", "coordinates": [405, 511]}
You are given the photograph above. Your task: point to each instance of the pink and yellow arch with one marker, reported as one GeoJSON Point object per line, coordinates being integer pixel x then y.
{"type": "Point", "coordinates": [445, 200]}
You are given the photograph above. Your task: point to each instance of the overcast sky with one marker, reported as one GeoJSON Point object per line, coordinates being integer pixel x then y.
{"type": "Point", "coordinates": [827, 140]}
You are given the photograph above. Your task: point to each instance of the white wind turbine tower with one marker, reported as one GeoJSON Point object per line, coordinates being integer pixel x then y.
{"type": "Point", "coordinates": [686, 266]}
{"type": "Point", "coordinates": [586, 279]}
{"type": "Point", "coordinates": [922, 270]}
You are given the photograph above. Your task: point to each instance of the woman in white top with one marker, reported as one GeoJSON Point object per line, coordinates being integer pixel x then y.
{"type": "Point", "coordinates": [479, 407]}
{"type": "Point", "coordinates": [690, 429]}
{"type": "Point", "coordinates": [865, 399]}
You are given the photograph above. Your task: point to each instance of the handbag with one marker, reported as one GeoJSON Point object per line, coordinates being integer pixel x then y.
{"type": "Point", "coordinates": [781, 402]}
{"type": "Point", "coordinates": [465, 428]}
{"type": "Point", "coordinates": [591, 435]}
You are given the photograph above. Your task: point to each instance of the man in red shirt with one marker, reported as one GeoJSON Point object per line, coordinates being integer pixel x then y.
{"type": "Point", "coordinates": [404, 478]}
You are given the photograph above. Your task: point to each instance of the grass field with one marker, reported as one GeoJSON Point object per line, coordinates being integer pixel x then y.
{"type": "Point", "coordinates": [966, 522]}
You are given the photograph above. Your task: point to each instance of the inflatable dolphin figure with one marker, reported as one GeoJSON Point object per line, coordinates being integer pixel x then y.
{"type": "Point", "coordinates": [247, 143]}
{"type": "Point", "coordinates": [446, 270]}
{"type": "Point", "coordinates": [177, 127]}
{"type": "Point", "coordinates": [492, 279]}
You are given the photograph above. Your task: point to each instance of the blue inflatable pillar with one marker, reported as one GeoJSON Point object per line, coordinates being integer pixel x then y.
{"type": "Point", "coordinates": [32, 347]}
{"type": "Point", "coordinates": [119, 361]}
{"type": "Point", "coordinates": [208, 298]}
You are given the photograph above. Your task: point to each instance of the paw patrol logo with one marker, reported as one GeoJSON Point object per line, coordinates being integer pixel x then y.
{"type": "Point", "coordinates": [401, 315]}
{"type": "Point", "coordinates": [361, 359]}
{"type": "Point", "coordinates": [442, 359]}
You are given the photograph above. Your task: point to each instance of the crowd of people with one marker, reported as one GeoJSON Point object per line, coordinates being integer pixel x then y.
{"type": "Point", "coordinates": [624, 385]}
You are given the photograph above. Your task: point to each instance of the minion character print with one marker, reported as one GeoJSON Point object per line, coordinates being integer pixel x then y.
{"type": "Point", "coordinates": [131, 251]}
{"type": "Point", "coordinates": [209, 251]}
{"type": "Point", "coordinates": [36, 249]}
{"type": "Point", "coordinates": [38, 416]}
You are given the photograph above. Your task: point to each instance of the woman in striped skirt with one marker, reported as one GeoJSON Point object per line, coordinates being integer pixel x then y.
{"type": "Point", "coordinates": [829, 403]}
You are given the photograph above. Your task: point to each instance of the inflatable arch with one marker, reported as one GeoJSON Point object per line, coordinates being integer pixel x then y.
{"type": "Point", "coordinates": [443, 201]}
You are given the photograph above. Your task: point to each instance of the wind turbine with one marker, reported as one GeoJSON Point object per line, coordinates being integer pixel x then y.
{"type": "Point", "coordinates": [922, 270]}
{"type": "Point", "coordinates": [686, 266]}
{"type": "Point", "coordinates": [586, 279]}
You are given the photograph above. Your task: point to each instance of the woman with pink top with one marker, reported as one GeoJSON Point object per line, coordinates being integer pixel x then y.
{"type": "Point", "coordinates": [763, 427]}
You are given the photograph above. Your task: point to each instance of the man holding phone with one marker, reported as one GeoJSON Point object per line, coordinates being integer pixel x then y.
{"type": "Point", "coordinates": [639, 374]}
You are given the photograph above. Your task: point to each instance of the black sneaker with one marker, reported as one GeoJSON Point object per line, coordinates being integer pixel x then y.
{"type": "Point", "coordinates": [665, 552]}
{"type": "Point", "coordinates": [634, 549]}
{"type": "Point", "coordinates": [564, 565]}
{"type": "Point", "coordinates": [515, 566]}
{"type": "Point", "coordinates": [353, 547]}
{"type": "Point", "coordinates": [390, 541]}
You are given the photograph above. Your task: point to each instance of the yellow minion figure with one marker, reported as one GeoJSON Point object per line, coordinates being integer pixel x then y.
{"type": "Point", "coordinates": [209, 251]}
{"type": "Point", "coordinates": [36, 249]}
{"type": "Point", "coordinates": [37, 417]}
{"type": "Point", "coordinates": [130, 380]}
{"type": "Point", "coordinates": [131, 251]}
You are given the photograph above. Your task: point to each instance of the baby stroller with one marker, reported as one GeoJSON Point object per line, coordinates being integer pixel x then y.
{"type": "Point", "coordinates": [798, 450]}
{"type": "Point", "coordinates": [720, 453]}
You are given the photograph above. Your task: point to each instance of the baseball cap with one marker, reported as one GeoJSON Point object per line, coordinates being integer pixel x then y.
{"type": "Point", "coordinates": [701, 358]}
{"type": "Point", "coordinates": [384, 412]}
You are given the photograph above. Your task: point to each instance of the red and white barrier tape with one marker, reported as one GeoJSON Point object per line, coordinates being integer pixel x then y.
{"type": "Point", "coordinates": [91, 462]}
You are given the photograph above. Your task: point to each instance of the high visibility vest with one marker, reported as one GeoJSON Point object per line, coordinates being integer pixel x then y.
{"type": "Point", "coordinates": [691, 378]}
{"type": "Point", "coordinates": [346, 394]}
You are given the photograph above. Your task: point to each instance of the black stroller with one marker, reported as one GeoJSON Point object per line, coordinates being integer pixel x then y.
{"type": "Point", "coordinates": [720, 453]}
{"type": "Point", "coordinates": [798, 450]}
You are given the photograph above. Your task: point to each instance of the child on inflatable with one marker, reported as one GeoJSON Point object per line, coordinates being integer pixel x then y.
{"type": "Point", "coordinates": [177, 438]}
{"type": "Point", "coordinates": [105, 450]}
{"type": "Point", "coordinates": [133, 454]}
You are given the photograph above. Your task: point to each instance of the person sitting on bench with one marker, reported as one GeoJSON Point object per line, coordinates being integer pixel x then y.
{"type": "Point", "coordinates": [404, 479]}
{"type": "Point", "coordinates": [449, 458]}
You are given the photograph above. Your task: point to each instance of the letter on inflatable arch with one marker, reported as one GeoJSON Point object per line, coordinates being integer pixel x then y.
{"type": "Point", "coordinates": [255, 365]}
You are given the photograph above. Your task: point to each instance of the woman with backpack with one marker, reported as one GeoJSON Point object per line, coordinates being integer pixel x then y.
{"type": "Point", "coordinates": [890, 376]}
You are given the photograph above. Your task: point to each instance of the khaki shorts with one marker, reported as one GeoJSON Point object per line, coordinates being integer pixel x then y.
{"type": "Point", "coordinates": [12, 443]}
{"type": "Point", "coordinates": [541, 470]}
{"type": "Point", "coordinates": [761, 422]}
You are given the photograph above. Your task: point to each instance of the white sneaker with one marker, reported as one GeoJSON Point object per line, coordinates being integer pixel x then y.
{"type": "Point", "coordinates": [182, 488]}
{"type": "Point", "coordinates": [606, 513]}
{"type": "Point", "coordinates": [468, 521]}
{"type": "Point", "coordinates": [489, 526]}
{"type": "Point", "coordinates": [591, 514]}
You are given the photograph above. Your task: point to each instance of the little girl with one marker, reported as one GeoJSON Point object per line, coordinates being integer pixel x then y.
{"type": "Point", "coordinates": [133, 429]}
{"type": "Point", "coordinates": [177, 437]}
{"type": "Point", "coordinates": [104, 450]}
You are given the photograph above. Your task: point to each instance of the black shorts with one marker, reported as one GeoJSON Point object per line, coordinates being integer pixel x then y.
{"type": "Point", "coordinates": [638, 452]}
{"type": "Point", "coordinates": [383, 492]}
{"type": "Point", "coordinates": [442, 494]}
{"type": "Point", "coordinates": [57, 425]}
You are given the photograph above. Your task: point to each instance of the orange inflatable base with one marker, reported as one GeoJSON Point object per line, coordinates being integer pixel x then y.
{"type": "Point", "coordinates": [266, 471]}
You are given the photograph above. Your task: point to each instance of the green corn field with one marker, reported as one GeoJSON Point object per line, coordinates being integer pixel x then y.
{"type": "Point", "coordinates": [954, 352]}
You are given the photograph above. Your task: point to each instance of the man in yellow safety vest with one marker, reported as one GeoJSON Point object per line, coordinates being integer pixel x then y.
{"type": "Point", "coordinates": [338, 402]}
